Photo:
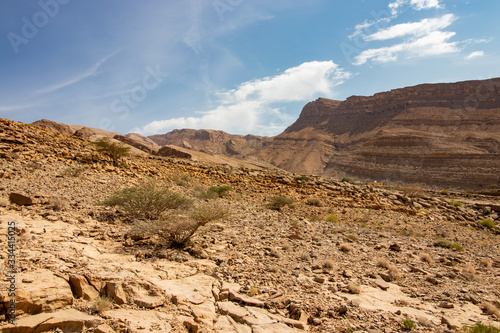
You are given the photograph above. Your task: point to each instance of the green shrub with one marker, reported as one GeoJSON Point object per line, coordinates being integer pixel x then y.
{"type": "Point", "coordinates": [480, 328]}
{"type": "Point", "coordinates": [277, 203]}
{"type": "Point", "coordinates": [115, 150]}
{"type": "Point", "coordinates": [301, 178]}
{"type": "Point", "coordinates": [487, 223]}
{"type": "Point", "coordinates": [486, 212]}
{"type": "Point", "coordinates": [456, 203]}
{"type": "Point", "coordinates": [220, 190]}
{"type": "Point", "coordinates": [332, 218]}
{"type": "Point", "coordinates": [445, 192]}
{"type": "Point", "coordinates": [146, 200]}
{"type": "Point", "coordinates": [345, 180]}
{"type": "Point", "coordinates": [445, 243]}
{"type": "Point", "coordinates": [409, 324]}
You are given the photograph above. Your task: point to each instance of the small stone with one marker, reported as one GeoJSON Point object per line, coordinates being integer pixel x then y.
{"type": "Point", "coordinates": [395, 247]}
{"type": "Point", "coordinates": [20, 199]}
{"type": "Point", "coordinates": [319, 279]}
{"type": "Point", "coordinates": [446, 305]}
{"type": "Point", "coordinates": [342, 309]}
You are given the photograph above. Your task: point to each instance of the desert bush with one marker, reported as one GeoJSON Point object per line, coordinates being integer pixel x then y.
{"type": "Point", "coordinates": [442, 242]}
{"type": "Point", "coordinates": [146, 200]}
{"type": "Point", "coordinates": [221, 190]}
{"type": "Point", "coordinates": [412, 190]}
{"type": "Point", "coordinates": [346, 248]}
{"type": "Point", "coordinates": [409, 324]}
{"type": "Point", "coordinates": [177, 230]}
{"type": "Point", "coordinates": [314, 202]}
{"type": "Point", "coordinates": [301, 178]}
{"type": "Point", "coordinates": [384, 263]}
{"type": "Point", "coordinates": [492, 186]}
{"type": "Point", "coordinates": [115, 150]}
{"type": "Point", "coordinates": [345, 180]}
{"type": "Point", "coordinates": [101, 304]}
{"type": "Point", "coordinates": [486, 212]}
{"type": "Point", "coordinates": [445, 192]}
{"type": "Point", "coordinates": [394, 272]}
{"type": "Point", "coordinates": [469, 272]}
{"type": "Point", "coordinates": [485, 263]}
{"type": "Point", "coordinates": [58, 203]}
{"type": "Point", "coordinates": [276, 203]}
{"type": "Point", "coordinates": [353, 288]}
{"type": "Point", "coordinates": [480, 328]}
{"type": "Point", "coordinates": [354, 238]}
{"type": "Point", "coordinates": [329, 264]}
{"type": "Point", "coordinates": [487, 223]}
{"type": "Point", "coordinates": [332, 218]}
{"type": "Point", "coordinates": [426, 257]}
{"type": "Point", "coordinates": [456, 203]}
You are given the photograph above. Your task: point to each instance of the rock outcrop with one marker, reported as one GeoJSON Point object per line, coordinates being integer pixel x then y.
{"type": "Point", "coordinates": [431, 133]}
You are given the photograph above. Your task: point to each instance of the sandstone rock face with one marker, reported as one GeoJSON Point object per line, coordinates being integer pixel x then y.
{"type": "Point", "coordinates": [169, 151]}
{"type": "Point", "coordinates": [431, 133]}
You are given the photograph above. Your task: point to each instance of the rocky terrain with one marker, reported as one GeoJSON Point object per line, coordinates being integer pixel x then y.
{"type": "Point", "coordinates": [337, 257]}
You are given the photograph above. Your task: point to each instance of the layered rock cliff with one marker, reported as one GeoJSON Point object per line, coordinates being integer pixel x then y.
{"type": "Point", "coordinates": [430, 133]}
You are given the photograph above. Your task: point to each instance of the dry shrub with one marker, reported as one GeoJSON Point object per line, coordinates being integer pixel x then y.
{"type": "Point", "coordinates": [329, 264]}
{"type": "Point", "coordinates": [346, 248]}
{"type": "Point", "coordinates": [469, 272]}
{"type": "Point", "coordinates": [485, 263]}
{"type": "Point", "coordinates": [426, 257]}
{"type": "Point", "coordinates": [413, 190]}
{"type": "Point", "coordinates": [58, 203]}
{"type": "Point", "coordinates": [353, 288]}
{"type": "Point", "coordinates": [384, 263]}
{"type": "Point", "coordinates": [101, 304]}
{"type": "Point", "coordinates": [394, 272]}
{"type": "Point", "coordinates": [314, 202]}
{"type": "Point", "coordinates": [491, 309]}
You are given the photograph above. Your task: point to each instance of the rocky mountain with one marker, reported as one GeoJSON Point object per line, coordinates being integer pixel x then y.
{"type": "Point", "coordinates": [431, 133]}
{"type": "Point", "coordinates": [211, 141]}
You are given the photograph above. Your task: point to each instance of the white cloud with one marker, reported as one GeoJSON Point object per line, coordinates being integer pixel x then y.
{"type": "Point", "coordinates": [435, 43]}
{"type": "Point", "coordinates": [9, 108]}
{"type": "Point", "coordinates": [415, 4]}
{"type": "Point", "coordinates": [251, 108]}
{"type": "Point", "coordinates": [475, 54]}
{"type": "Point", "coordinates": [421, 28]}
{"type": "Point", "coordinates": [89, 72]}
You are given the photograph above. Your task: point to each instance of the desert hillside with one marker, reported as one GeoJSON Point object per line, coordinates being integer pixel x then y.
{"type": "Point", "coordinates": [273, 251]}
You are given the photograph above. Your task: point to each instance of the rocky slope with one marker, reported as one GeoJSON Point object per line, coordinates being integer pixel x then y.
{"type": "Point", "coordinates": [342, 258]}
{"type": "Point", "coordinates": [431, 133]}
{"type": "Point", "coordinates": [211, 141]}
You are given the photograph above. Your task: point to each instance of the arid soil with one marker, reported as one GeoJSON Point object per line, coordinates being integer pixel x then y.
{"type": "Point", "coordinates": [341, 258]}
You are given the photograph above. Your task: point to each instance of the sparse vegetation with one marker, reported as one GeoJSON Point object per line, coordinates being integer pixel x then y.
{"type": "Point", "coordinates": [314, 202]}
{"type": "Point", "coordinates": [352, 237]}
{"type": "Point", "coordinates": [146, 200]}
{"type": "Point", "coordinates": [382, 262]}
{"type": "Point", "coordinates": [74, 171]}
{"type": "Point", "coordinates": [220, 190]}
{"type": "Point", "coordinates": [345, 180]}
{"type": "Point", "coordinates": [456, 203]}
{"type": "Point", "coordinates": [101, 304]}
{"type": "Point", "coordinates": [445, 192]}
{"type": "Point", "coordinates": [329, 264]}
{"type": "Point", "coordinates": [409, 324]}
{"type": "Point", "coordinates": [480, 328]}
{"type": "Point", "coordinates": [394, 272]}
{"type": "Point", "coordinates": [346, 248]}
{"type": "Point", "coordinates": [492, 186]}
{"type": "Point", "coordinates": [301, 179]}
{"type": "Point", "coordinates": [469, 272]}
{"type": "Point", "coordinates": [426, 257]}
{"type": "Point", "coordinates": [487, 223]}
{"type": "Point", "coordinates": [115, 150]}
{"type": "Point", "coordinates": [353, 288]}
{"type": "Point", "coordinates": [442, 242]}
{"type": "Point", "coordinates": [277, 203]}
{"type": "Point", "coordinates": [332, 218]}
{"type": "Point", "coordinates": [412, 190]}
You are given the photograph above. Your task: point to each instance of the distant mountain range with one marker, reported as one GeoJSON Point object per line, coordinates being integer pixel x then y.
{"type": "Point", "coordinates": [446, 133]}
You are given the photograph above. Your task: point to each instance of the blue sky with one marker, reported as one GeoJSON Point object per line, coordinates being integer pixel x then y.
{"type": "Point", "coordinates": [242, 66]}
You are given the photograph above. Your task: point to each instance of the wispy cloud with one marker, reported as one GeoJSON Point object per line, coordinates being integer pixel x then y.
{"type": "Point", "coordinates": [415, 29]}
{"type": "Point", "coordinates": [475, 54]}
{"type": "Point", "coordinates": [10, 108]}
{"type": "Point", "coordinates": [397, 5]}
{"type": "Point", "coordinates": [254, 107]}
{"type": "Point", "coordinates": [77, 78]}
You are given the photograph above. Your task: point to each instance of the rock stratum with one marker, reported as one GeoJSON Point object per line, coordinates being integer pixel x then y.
{"type": "Point", "coordinates": [431, 133]}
